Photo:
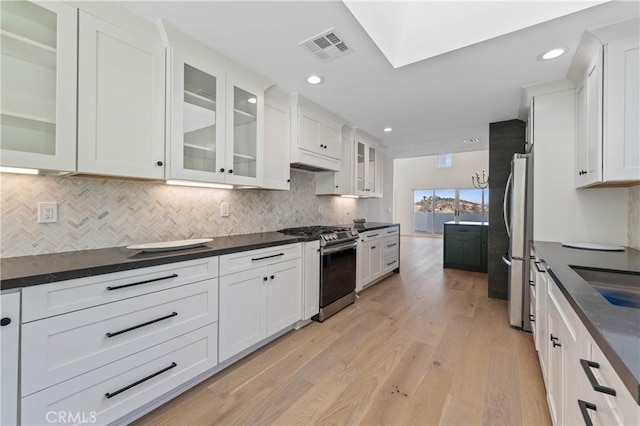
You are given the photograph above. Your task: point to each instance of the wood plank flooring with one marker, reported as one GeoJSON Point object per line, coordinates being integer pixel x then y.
{"type": "Point", "coordinates": [425, 346]}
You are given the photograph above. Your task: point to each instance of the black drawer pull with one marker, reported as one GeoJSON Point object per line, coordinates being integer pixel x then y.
{"type": "Point", "coordinates": [115, 333]}
{"type": "Point", "coordinates": [372, 235]}
{"type": "Point", "coordinates": [538, 266]}
{"type": "Point", "coordinates": [389, 264]}
{"type": "Point", "coordinates": [391, 245]}
{"type": "Point", "coordinates": [126, 388]}
{"type": "Point", "coordinates": [143, 282]}
{"type": "Point", "coordinates": [5, 321]}
{"type": "Point", "coordinates": [587, 366]}
{"type": "Point", "coordinates": [584, 406]}
{"type": "Point", "coordinates": [267, 257]}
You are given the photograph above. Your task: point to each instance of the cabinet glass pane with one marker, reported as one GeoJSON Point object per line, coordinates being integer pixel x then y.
{"type": "Point", "coordinates": [28, 44]}
{"type": "Point", "coordinates": [360, 168]}
{"type": "Point", "coordinates": [245, 132]}
{"type": "Point", "coordinates": [372, 170]}
{"type": "Point", "coordinates": [199, 120]}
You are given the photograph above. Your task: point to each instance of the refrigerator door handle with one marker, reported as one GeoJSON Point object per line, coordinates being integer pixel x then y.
{"type": "Point", "coordinates": [506, 260]}
{"type": "Point", "coordinates": [504, 205]}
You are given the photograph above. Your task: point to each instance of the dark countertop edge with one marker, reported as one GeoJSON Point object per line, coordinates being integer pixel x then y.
{"type": "Point", "coordinates": [152, 259]}
{"type": "Point", "coordinates": [372, 226]}
{"type": "Point", "coordinates": [466, 223]}
{"type": "Point", "coordinates": [626, 375]}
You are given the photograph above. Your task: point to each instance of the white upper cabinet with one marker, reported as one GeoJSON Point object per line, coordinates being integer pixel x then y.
{"type": "Point", "coordinates": [277, 140]}
{"type": "Point", "coordinates": [120, 102]}
{"type": "Point", "coordinates": [316, 136]}
{"type": "Point", "coordinates": [339, 183]}
{"type": "Point", "coordinates": [608, 106]}
{"type": "Point", "coordinates": [368, 166]}
{"type": "Point", "coordinates": [39, 78]}
{"type": "Point", "coordinates": [215, 115]}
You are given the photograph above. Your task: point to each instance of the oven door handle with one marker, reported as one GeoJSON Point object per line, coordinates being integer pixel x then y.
{"type": "Point", "coordinates": [335, 249]}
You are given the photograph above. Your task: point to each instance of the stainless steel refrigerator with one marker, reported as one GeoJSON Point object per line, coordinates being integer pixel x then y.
{"type": "Point", "coordinates": [518, 218]}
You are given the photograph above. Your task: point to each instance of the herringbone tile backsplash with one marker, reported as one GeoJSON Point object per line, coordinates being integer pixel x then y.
{"type": "Point", "coordinates": [98, 213]}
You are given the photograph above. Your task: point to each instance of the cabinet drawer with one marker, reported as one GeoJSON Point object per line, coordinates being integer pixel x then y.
{"type": "Point", "coordinates": [390, 245]}
{"type": "Point", "coordinates": [84, 398]}
{"type": "Point", "coordinates": [59, 298]}
{"type": "Point", "coordinates": [464, 229]}
{"type": "Point", "coordinates": [238, 262]}
{"type": "Point", "coordinates": [390, 262]}
{"type": "Point", "coordinates": [621, 406]}
{"type": "Point", "coordinates": [391, 231]}
{"type": "Point", "coordinates": [59, 348]}
{"type": "Point", "coordinates": [372, 235]}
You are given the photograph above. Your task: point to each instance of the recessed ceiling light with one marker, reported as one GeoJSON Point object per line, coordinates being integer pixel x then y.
{"type": "Point", "coordinates": [552, 54]}
{"type": "Point", "coordinates": [387, 129]}
{"type": "Point", "coordinates": [314, 79]}
{"type": "Point", "coordinates": [252, 100]}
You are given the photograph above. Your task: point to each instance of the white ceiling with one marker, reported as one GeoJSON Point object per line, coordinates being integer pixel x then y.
{"type": "Point", "coordinates": [432, 105]}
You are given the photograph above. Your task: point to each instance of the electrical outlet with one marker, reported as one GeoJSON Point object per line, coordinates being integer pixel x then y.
{"type": "Point", "coordinates": [224, 209]}
{"type": "Point", "coordinates": [47, 212]}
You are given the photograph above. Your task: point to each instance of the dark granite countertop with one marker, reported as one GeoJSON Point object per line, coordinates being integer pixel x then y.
{"type": "Point", "coordinates": [372, 226]}
{"type": "Point", "coordinates": [616, 329]}
{"type": "Point", "coordinates": [41, 269]}
{"type": "Point", "coordinates": [463, 222]}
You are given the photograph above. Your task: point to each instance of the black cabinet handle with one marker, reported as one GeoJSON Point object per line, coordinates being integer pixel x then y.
{"type": "Point", "coordinates": [5, 321]}
{"type": "Point", "coordinates": [264, 278]}
{"type": "Point", "coordinates": [391, 245]}
{"type": "Point", "coordinates": [231, 171]}
{"type": "Point", "coordinates": [168, 277]}
{"type": "Point", "coordinates": [389, 264]}
{"type": "Point", "coordinates": [336, 186]}
{"type": "Point", "coordinates": [587, 366]}
{"type": "Point", "coordinates": [372, 235]}
{"type": "Point", "coordinates": [288, 180]}
{"type": "Point", "coordinates": [584, 406]}
{"type": "Point", "coordinates": [582, 172]}
{"type": "Point", "coordinates": [556, 344]}
{"type": "Point", "coordinates": [126, 388]}
{"type": "Point", "coordinates": [372, 247]}
{"type": "Point", "coordinates": [537, 264]}
{"type": "Point", "coordinates": [116, 333]}
{"type": "Point", "coordinates": [554, 340]}
{"type": "Point", "coordinates": [222, 170]}
{"type": "Point", "coordinates": [272, 277]}
{"type": "Point", "coordinates": [160, 163]}
{"type": "Point", "coordinates": [266, 257]}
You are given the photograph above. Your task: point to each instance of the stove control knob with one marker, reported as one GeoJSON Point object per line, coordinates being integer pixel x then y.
{"type": "Point", "coordinates": [334, 236]}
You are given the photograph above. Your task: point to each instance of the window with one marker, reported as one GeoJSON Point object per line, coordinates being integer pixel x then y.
{"type": "Point", "coordinates": [433, 207]}
{"type": "Point", "coordinates": [443, 160]}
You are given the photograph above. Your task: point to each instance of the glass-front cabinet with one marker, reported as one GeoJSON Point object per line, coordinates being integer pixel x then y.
{"type": "Point", "coordinates": [216, 117]}
{"type": "Point", "coordinates": [38, 89]}
{"type": "Point", "coordinates": [368, 176]}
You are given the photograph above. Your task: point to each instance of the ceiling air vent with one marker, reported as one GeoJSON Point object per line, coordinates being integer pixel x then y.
{"type": "Point", "coordinates": [326, 46]}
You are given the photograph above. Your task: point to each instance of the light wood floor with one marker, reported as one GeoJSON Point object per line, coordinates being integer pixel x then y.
{"type": "Point", "coordinates": [426, 346]}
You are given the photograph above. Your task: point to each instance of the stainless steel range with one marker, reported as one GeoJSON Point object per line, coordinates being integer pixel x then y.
{"type": "Point", "coordinates": [338, 266]}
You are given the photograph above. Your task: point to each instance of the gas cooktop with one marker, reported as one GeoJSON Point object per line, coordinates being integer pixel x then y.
{"type": "Point", "coordinates": [328, 234]}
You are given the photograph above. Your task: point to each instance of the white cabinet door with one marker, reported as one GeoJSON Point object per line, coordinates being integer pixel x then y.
{"type": "Point", "coordinates": [121, 81]}
{"type": "Point", "coordinates": [368, 167]}
{"type": "Point", "coordinates": [311, 279]}
{"type": "Point", "coordinates": [622, 100]}
{"type": "Point", "coordinates": [372, 260]}
{"type": "Point", "coordinates": [9, 345]}
{"type": "Point", "coordinates": [332, 138]}
{"type": "Point", "coordinates": [197, 139]}
{"type": "Point", "coordinates": [310, 130]}
{"type": "Point", "coordinates": [243, 311]}
{"type": "Point", "coordinates": [39, 80]}
{"type": "Point", "coordinates": [284, 295]}
{"type": "Point", "coordinates": [244, 132]}
{"type": "Point", "coordinates": [555, 383]}
{"type": "Point", "coordinates": [277, 140]}
{"type": "Point", "coordinates": [542, 327]}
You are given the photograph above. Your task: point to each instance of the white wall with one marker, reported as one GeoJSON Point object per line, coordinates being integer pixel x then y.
{"type": "Point", "coordinates": [410, 174]}
{"type": "Point", "coordinates": [562, 213]}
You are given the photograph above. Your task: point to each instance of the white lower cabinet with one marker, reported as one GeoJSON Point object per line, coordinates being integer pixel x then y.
{"type": "Point", "coordinates": [9, 353]}
{"type": "Point", "coordinates": [104, 395]}
{"type": "Point", "coordinates": [311, 299]}
{"type": "Point", "coordinates": [258, 302]}
{"type": "Point", "coordinates": [378, 255]}
{"type": "Point", "coordinates": [121, 341]}
{"type": "Point", "coordinates": [579, 379]}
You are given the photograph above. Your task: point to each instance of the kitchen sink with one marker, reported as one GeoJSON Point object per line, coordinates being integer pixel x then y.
{"type": "Point", "coordinates": [620, 288]}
